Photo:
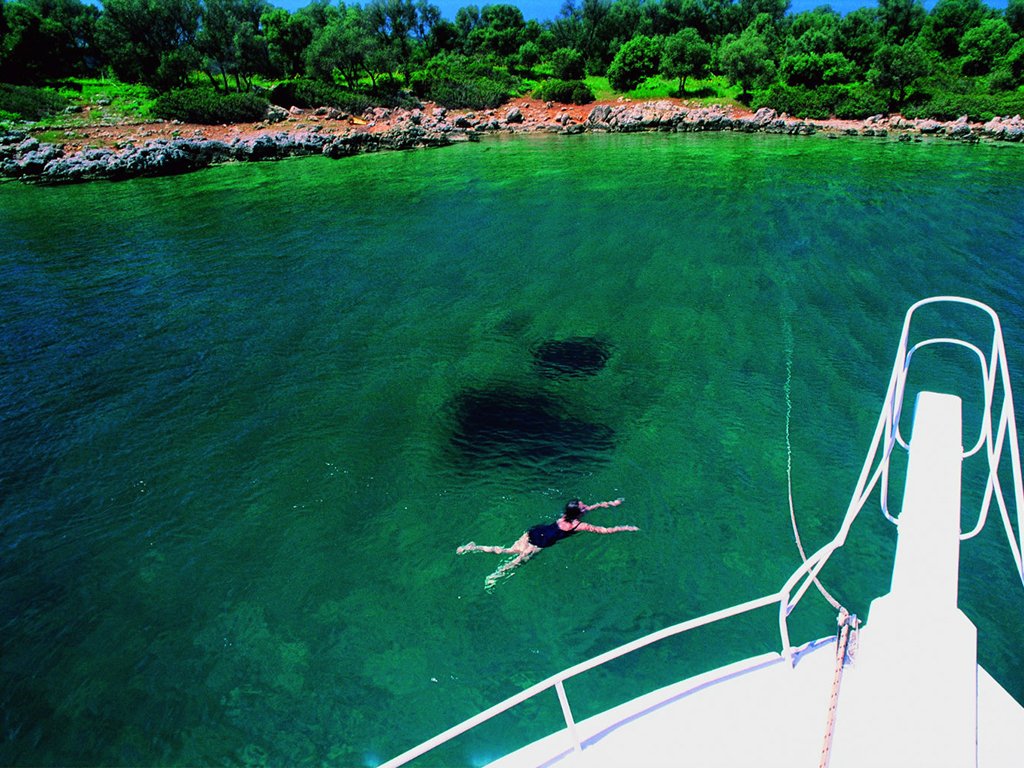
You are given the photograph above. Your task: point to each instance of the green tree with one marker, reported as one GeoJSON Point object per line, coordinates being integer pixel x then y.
{"type": "Point", "coordinates": [983, 45]}
{"type": "Point", "coordinates": [746, 58]}
{"type": "Point", "coordinates": [635, 61]}
{"type": "Point", "coordinates": [900, 19]}
{"type": "Point", "coordinates": [150, 41]}
{"type": "Point", "coordinates": [288, 35]}
{"type": "Point", "coordinates": [500, 32]}
{"type": "Point", "coordinates": [897, 67]}
{"type": "Point", "coordinates": [527, 57]}
{"type": "Point", "coordinates": [859, 36]}
{"type": "Point", "coordinates": [46, 40]}
{"type": "Point", "coordinates": [685, 54]}
{"type": "Point", "coordinates": [813, 70]}
{"type": "Point", "coordinates": [400, 28]}
{"type": "Point", "coordinates": [1014, 16]}
{"type": "Point", "coordinates": [345, 46]}
{"type": "Point", "coordinates": [567, 64]}
{"type": "Point", "coordinates": [949, 20]}
{"type": "Point", "coordinates": [1011, 67]}
{"type": "Point", "coordinates": [231, 43]}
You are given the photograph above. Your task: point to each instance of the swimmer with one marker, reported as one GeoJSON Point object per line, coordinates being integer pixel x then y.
{"type": "Point", "coordinates": [542, 536]}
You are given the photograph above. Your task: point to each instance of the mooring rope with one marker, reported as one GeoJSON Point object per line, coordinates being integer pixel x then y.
{"type": "Point", "coordinates": [787, 334]}
{"type": "Point", "coordinates": [846, 620]}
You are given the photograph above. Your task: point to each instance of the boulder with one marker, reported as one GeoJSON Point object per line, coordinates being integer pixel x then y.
{"type": "Point", "coordinates": [514, 115]}
{"type": "Point", "coordinates": [599, 114]}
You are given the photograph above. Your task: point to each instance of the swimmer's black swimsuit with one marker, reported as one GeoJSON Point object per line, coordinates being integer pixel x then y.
{"type": "Point", "coordinates": [545, 535]}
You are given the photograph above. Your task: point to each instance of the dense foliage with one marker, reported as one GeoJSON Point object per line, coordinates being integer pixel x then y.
{"type": "Point", "coordinates": [962, 56]}
{"type": "Point", "coordinates": [206, 106]}
{"type": "Point", "coordinates": [30, 103]}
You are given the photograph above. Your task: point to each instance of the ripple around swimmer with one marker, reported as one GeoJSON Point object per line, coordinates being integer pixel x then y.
{"type": "Point", "coordinates": [576, 356]}
{"type": "Point", "coordinates": [502, 427]}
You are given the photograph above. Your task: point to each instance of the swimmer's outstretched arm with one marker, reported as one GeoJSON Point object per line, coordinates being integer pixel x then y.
{"type": "Point", "coordinates": [601, 529]}
{"type": "Point", "coordinates": [601, 504]}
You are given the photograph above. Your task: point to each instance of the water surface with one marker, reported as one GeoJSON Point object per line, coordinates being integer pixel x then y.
{"type": "Point", "coordinates": [249, 414]}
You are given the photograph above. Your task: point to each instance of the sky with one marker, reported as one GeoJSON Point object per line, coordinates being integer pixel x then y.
{"type": "Point", "coordinates": [545, 10]}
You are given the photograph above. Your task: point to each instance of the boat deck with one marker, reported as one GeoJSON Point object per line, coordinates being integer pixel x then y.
{"type": "Point", "coordinates": [758, 712]}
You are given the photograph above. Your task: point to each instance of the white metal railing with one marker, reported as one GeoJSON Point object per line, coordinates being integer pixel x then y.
{"type": "Point", "coordinates": [886, 437]}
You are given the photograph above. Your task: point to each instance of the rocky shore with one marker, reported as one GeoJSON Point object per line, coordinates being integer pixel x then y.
{"type": "Point", "coordinates": [121, 152]}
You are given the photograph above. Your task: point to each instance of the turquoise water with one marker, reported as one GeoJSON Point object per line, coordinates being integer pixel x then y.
{"type": "Point", "coordinates": [249, 414]}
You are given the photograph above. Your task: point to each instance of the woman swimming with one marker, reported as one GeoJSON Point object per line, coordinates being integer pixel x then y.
{"type": "Point", "coordinates": [542, 536]}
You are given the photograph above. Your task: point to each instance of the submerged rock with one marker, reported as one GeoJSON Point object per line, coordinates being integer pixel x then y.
{"type": "Point", "coordinates": [505, 427]}
{"type": "Point", "coordinates": [577, 356]}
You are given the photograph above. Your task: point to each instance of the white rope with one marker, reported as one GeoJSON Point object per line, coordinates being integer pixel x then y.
{"type": "Point", "coordinates": [787, 333]}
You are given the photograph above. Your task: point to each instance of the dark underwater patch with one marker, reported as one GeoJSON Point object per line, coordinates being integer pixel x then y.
{"type": "Point", "coordinates": [576, 356]}
{"type": "Point", "coordinates": [504, 427]}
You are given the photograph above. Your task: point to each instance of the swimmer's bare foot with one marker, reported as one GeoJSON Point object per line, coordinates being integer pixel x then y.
{"type": "Point", "coordinates": [466, 548]}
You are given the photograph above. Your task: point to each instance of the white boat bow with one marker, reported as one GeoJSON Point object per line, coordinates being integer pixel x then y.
{"type": "Point", "coordinates": [915, 695]}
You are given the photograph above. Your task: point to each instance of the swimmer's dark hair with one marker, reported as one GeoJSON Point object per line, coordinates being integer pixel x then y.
{"type": "Point", "coordinates": [573, 510]}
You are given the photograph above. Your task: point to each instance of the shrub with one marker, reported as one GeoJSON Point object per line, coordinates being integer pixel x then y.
{"type": "Point", "coordinates": [857, 102]}
{"type": "Point", "coordinates": [206, 106]}
{"type": "Point", "coordinates": [979, 107]}
{"type": "Point", "coordinates": [852, 102]}
{"type": "Point", "coordinates": [567, 64]}
{"type": "Point", "coordinates": [27, 103]}
{"type": "Point", "coordinates": [635, 61]}
{"type": "Point", "coordinates": [309, 94]}
{"type": "Point", "coordinates": [565, 91]}
{"type": "Point", "coordinates": [454, 80]}
{"type": "Point", "coordinates": [812, 103]}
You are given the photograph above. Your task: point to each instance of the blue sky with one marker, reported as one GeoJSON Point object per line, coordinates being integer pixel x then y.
{"type": "Point", "coordinates": [544, 10]}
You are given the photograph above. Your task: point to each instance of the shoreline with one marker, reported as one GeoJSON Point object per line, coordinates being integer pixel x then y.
{"type": "Point", "coordinates": [130, 150]}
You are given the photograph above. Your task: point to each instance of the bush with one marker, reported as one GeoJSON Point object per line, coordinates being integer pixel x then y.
{"type": "Point", "coordinates": [206, 106]}
{"type": "Point", "coordinates": [857, 102]}
{"type": "Point", "coordinates": [567, 64]}
{"type": "Point", "coordinates": [852, 102]}
{"type": "Point", "coordinates": [635, 61]}
{"type": "Point", "coordinates": [27, 103]}
{"type": "Point", "coordinates": [978, 107]}
{"type": "Point", "coordinates": [454, 80]}
{"type": "Point", "coordinates": [310, 94]}
{"type": "Point", "coordinates": [565, 91]}
{"type": "Point", "coordinates": [812, 103]}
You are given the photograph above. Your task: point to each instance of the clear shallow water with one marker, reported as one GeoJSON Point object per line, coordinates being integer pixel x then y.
{"type": "Point", "coordinates": [243, 432]}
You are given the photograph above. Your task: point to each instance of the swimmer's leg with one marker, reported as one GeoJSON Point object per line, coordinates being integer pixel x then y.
{"type": "Point", "coordinates": [505, 568]}
{"type": "Point", "coordinates": [474, 547]}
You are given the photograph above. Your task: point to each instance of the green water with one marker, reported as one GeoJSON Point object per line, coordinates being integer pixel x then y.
{"type": "Point", "coordinates": [232, 478]}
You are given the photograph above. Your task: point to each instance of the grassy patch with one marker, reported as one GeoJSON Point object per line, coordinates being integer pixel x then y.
{"type": "Point", "coordinates": [713, 90]}
{"type": "Point", "coordinates": [602, 90]}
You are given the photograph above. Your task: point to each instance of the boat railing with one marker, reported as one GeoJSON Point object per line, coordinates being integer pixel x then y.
{"type": "Point", "coordinates": [874, 473]}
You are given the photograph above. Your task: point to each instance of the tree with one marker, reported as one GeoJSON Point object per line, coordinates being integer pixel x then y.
{"type": "Point", "coordinates": [983, 45]}
{"type": "Point", "coordinates": [44, 40]}
{"type": "Point", "coordinates": [150, 41]}
{"type": "Point", "coordinates": [859, 36]}
{"type": "Point", "coordinates": [746, 58]}
{"type": "Point", "coordinates": [230, 41]}
{"type": "Point", "coordinates": [345, 45]}
{"type": "Point", "coordinates": [399, 28]}
{"type": "Point", "coordinates": [949, 20]}
{"type": "Point", "coordinates": [897, 67]}
{"type": "Point", "coordinates": [900, 20]}
{"type": "Point", "coordinates": [500, 32]}
{"type": "Point", "coordinates": [288, 35]}
{"type": "Point", "coordinates": [1014, 16]}
{"type": "Point", "coordinates": [567, 64]}
{"type": "Point", "coordinates": [685, 54]}
{"type": "Point", "coordinates": [527, 57]}
{"type": "Point", "coordinates": [637, 60]}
